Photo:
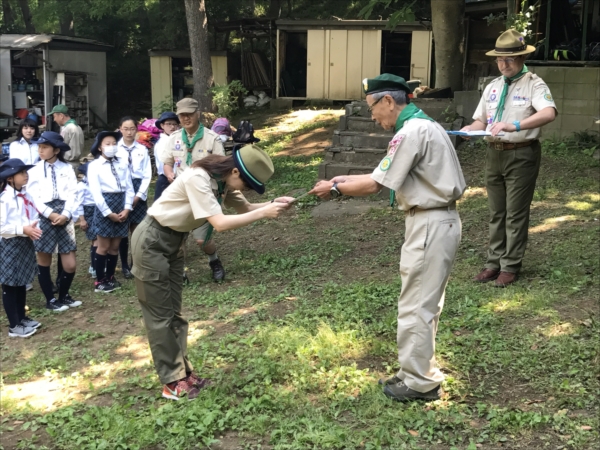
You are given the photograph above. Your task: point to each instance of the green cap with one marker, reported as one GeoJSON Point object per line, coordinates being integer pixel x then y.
{"type": "Point", "coordinates": [59, 109]}
{"type": "Point", "coordinates": [255, 166]}
{"type": "Point", "coordinates": [385, 82]}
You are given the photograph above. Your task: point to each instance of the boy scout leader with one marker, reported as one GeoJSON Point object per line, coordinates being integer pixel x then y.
{"type": "Point", "coordinates": [194, 199]}
{"type": "Point", "coordinates": [513, 108]}
{"type": "Point", "coordinates": [422, 167]}
{"type": "Point", "coordinates": [186, 146]}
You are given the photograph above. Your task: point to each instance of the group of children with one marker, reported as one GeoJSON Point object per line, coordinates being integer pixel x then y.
{"type": "Point", "coordinates": [40, 201]}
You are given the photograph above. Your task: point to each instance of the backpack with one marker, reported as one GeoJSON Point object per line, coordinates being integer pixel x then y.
{"type": "Point", "coordinates": [221, 127]}
{"type": "Point", "coordinates": [245, 133]}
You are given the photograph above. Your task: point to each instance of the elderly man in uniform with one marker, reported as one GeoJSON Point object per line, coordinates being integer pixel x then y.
{"type": "Point", "coordinates": [513, 108]}
{"type": "Point", "coordinates": [191, 143]}
{"type": "Point", "coordinates": [421, 166]}
{"type": "Point", "coordinates": [71, 132]}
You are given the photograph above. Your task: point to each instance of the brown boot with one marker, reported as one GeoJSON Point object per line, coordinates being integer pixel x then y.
{"type": "Point", "coordinates": [505, 278]}
{"type": "Point", "coordinates": [486, 275]}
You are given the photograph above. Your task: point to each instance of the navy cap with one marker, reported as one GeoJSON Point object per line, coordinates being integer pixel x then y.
{"type": "Point", "coordinates": [164, 117]}
{"type": "Point", "coordinates": [12, 167]}
{"type": "Point", "coordinates": [54, 139]}
{"type": "Point", "coordinates": [83, 168]}
{"type": "Point", "coordinates": [95, 150]}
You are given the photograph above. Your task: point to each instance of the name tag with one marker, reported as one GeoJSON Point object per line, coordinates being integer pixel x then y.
{"type": "Point", "coordinates": [519, 103]}
{"type": "Point", "coordinates": [493, 105]}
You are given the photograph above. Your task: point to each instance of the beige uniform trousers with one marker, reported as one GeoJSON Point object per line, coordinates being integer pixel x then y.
{"type": "Point", "coordinates": [428, 253]}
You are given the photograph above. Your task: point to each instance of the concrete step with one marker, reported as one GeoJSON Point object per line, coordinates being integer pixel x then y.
{"type": "Point", "coordinates": [357, 156]}
{"type": "Point", "coordinates": [357, 139]}
{"type": "Point", "coordinates": [328, 170]}
{"type": "Point", "coordinates": [362, 124]}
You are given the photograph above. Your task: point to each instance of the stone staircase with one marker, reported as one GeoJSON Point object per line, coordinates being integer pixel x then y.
{"type": "Point", "coordinates": [359, 143]}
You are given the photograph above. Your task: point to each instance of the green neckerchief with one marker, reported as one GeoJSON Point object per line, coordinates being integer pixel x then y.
{"type": "Point", "coordinates": [70, 121]}
{"type": "Point", "coordinates": [199, 135]}
{"type": "Point", "coordinates": [209, 230]}
{"type": "Point", "coordinates": [507, 82]}
{"type": "Point", "coordinates": [409, 112]}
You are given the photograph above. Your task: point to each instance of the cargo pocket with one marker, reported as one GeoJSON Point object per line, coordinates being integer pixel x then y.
{"type": "Point", "coordinates": [144, 274]}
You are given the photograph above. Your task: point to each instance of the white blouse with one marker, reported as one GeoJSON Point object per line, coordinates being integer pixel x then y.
{"type": "Point", "coordinates": [140, 167]}
{"type": "Point", "coordinates": [159, 148]}
{"type": "Point", "coordinates": [101, 180]}
{"type": "Point", "coordinates": [43, 189]}
{"type": "Point", "coordinates": [26, 152]}
{"type": "Point", "coordinates": [14, 214]}
{"type": "Point", "coordinates": [84, 197]}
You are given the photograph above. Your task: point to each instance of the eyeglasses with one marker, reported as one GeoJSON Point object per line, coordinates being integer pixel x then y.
{"type": "Point", "coordinates": [370, 109]}
{"type": "Point", "coordinates": [505, 60]}
{"type": "Point", "coordinates": [129, 129]}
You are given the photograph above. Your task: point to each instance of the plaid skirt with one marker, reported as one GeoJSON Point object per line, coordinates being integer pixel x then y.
{"type": "Point", "coordinates": [18, 265]}
{"type": "Point", "coordinates": [54, 237]}
{"type": "Point", "coordinates": [105, 227]}
{"type": "Point", "coordinates": [88, 215]}
{"type": "Point", "coordinates": [139, 212]}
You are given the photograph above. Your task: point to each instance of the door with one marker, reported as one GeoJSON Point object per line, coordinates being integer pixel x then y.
{"type": "Point", "coordinates": [6, 94]}
{"type": "Point", "coordinates": [420, 56]}
{"type": "Point", "coordinates": [316, 74]}
{"type": "Point", "coordinates": [338, 56]}
{"type": "Point", "coordinates": [161, 82]}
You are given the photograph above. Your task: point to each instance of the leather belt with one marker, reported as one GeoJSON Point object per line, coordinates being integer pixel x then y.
{"type": "Point", "coordinates": [415, 209]}
{"type": "Point", "coordinates": [499, 145]}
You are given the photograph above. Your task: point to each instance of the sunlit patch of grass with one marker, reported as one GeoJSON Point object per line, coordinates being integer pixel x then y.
{"type": "Point", "coordinates": [579, 205]}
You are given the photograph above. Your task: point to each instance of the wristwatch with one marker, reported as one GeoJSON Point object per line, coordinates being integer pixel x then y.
{"type": "Point", "coordinates": [334, 191]}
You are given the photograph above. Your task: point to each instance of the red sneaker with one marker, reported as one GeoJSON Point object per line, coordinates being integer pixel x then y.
{"type": "Point", "coordinates": [195, 380]}
{"type": "Point", "coordinates": [179, 389]}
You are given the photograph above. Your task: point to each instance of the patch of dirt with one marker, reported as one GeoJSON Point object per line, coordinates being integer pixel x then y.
{"type": "Point", "coordinates": [316, 141]}
{"type": "Point", "coordinates": [231, 440]}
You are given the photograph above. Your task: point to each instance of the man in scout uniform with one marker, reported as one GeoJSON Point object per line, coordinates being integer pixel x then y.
{"type": "Point", "coordinates": [191, 143]}
{"type": "Point", "coordinates": [513, 108]}
{"type": "Point", "coordinates": [422, 168]}
{"type": "Point", "coordinates": [71, 132]}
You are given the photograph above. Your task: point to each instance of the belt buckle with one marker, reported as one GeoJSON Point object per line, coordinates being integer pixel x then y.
{"type": "Point", "coordinates": [498, 145]}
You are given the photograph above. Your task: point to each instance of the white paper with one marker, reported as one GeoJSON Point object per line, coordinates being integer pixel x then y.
{"type": "Point", "coordinates": [472, 133]}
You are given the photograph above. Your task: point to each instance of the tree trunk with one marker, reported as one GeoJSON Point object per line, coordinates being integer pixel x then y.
{"type": "Point", "coordinates": [7, 17]}
{"type": "Point", "coordinates": [510, 7]}
{"type": "Point", "coordinates": [274, 9]}
{"type": "Point", "coordinates": [29, 28]}
{"type": "Point", "coordinates": [195, 13]}
{"type": "Point", "coordinates": [447, 17]}
{"type": "Point", "coordinates": [66, 24]}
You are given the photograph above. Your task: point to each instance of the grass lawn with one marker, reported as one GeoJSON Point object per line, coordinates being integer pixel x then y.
{"type": "Point", "coordinates": [305, 324]}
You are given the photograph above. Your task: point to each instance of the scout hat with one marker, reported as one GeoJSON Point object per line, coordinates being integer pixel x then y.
{"type": "Point", "coordinates": [511, 43]}
{"type": "Point", "coordinates": [95, 150]}
{"type": "Point", "coordinates": [12, 167]}
{"type": "Point", "coordinates": [54, 139]}
{"type": "Point", "coordinates": [164, 117]}
{"type": "Point", "coordinates": [187, 106]}
{"type": "Point", "coordinates": [254, 165]}
{"type": "Point", "coordinates": [59, 109]}
{"type": "Point", "coordinates": [385, 82]}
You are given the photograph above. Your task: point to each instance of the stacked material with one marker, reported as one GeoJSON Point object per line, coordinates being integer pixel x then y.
{"type": "Point", "coordinates": [254, 73]}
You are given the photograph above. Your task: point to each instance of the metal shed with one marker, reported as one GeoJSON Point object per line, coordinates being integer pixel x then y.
{"type": "Point", "coordinates": [171, 75]}
{"type": "Point", "coordinates": [328, 59]}
{"type": "Point", "coordinates": [38, 71]}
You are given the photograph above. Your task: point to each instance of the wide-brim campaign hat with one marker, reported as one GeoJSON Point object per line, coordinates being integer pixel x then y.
{"type": "Point", "coordinates": [255, 166]}
{"type": "Point", "coordinates": [95, 150]}
{"type": "Point", "coordinates": [53, 139]}
{"type": "Point", "coordinates": [511, 43]}
{"type": "Point", "coordinates": [12, 167]}
{"type": "Point", "coordinates": [164, 117]}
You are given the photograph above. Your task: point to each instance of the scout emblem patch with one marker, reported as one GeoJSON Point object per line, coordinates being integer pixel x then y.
{"type": "Point", "coordinates": [177, 145]}
{"type": "Point", "coordinates": [548, 96]}
{"type": "Point", "coordinates": [385, 164]}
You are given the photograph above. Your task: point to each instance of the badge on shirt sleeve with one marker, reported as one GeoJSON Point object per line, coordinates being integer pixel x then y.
{"type": "Point", "coordinates": [548, 97]}
{"type": "Point", "coordinates": [385, 164]}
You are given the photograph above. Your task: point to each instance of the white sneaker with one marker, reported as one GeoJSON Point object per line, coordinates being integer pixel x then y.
{"type": "Point", "coordinates": [21, 331]}
{"type": "Point", "coordinates": [29, 287]}
{"type": "Point", "coordinates": [27, 322]}
{"type": "Point", "coordinates": [92, 272]}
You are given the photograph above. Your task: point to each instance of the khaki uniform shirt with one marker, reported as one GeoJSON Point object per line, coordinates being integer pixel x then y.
{"type": "Point", "coordinates": [422, 167]}
{"type": "Point", "coordinates": [190, 200]}
{"type": "Point", "coordinates": [73, 136]}
{"type": "Point", "coordinates": [175, 153]}
{"type": "Point", "coordinates": [526, 96]}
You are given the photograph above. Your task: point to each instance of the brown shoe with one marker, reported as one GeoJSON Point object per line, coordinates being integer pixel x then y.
{"type": "Point", "coordinates": [505, 278]}
{"type": "Point", "coordinates": [486, 275]}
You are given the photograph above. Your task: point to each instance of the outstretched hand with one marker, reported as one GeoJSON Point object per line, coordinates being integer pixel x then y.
{"type": "Point", "coordinates": [322, 189]}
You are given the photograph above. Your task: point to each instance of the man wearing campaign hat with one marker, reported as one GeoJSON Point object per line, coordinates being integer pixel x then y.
{"type": "Point", "coordinates": [70, 131]}
{"type": "Point", "coordinates": [192, 143]}
{"type": "Point", "coordinates": [422, 168]}
{"type": "Point", "coordinates": [513, 109]}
